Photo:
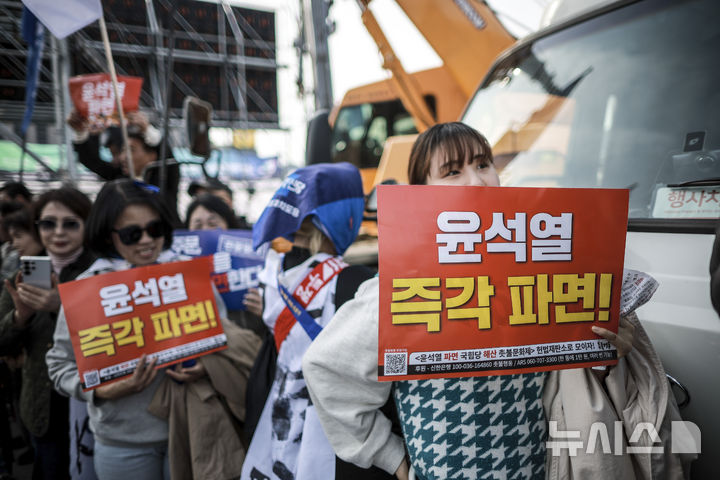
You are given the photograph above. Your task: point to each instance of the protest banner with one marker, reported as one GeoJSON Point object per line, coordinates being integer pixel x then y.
{"type": "Point", "coordinates": [94, 98]}
{"type": "Point", "coordinates": [166, 311]}
{"type": "Point", "coordinates": [235, 263]}
{"type": "Point", "coordinates": [484, 281]}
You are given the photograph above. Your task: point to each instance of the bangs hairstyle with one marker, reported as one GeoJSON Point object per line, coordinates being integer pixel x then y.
{"type": "Point", "coordinates": [456, 141]}
{"type": "Point", "coordinates": [214, 204]}
{"type": "Point", "coordinates": [110, 203]}
{"type": "Point", "coordinates": [71, 198]}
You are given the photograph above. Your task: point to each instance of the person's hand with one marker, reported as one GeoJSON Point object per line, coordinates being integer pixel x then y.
{"type": "Point", "coordinates": [623, 340]}
{"type": "Point", "coordinates": [403, 471]}
{"type": "Point", "coordinates": [253, 302]}
{"type": "Point", "coordinates": [186, 374]}
{"type": "Point", "coordinates": [143, 376]}
{"type": "Point", "coordinates": [40, 299]}
{"type": "Point", "coordinates": [23, 312]}
{"type": "Point", "coordinates": [77, 122]}
{"type": "Point", "coordinates": [138, 119]}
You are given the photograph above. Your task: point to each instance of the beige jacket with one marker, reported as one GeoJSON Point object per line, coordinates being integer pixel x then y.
{"type": "Point", "coordinates": [205, 417]}
{"type": "Point", "coordinates": [635, 391]}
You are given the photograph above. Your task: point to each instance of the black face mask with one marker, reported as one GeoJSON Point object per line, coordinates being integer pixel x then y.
{"type": "Point", "coordinates": [295, 257]}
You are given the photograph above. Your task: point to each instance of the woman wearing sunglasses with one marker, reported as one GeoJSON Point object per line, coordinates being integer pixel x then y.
{"type": "Point", "coordinates": [27, 318]}
{"type": "Point", "coordinates": [129, 225]}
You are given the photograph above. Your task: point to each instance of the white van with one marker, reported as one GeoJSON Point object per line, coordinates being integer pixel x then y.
{"type": "Point", "coordinates": [628, 96]}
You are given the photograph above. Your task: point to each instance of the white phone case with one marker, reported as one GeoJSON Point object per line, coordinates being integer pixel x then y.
{"type": "Point", "coordinates": [36, 271]}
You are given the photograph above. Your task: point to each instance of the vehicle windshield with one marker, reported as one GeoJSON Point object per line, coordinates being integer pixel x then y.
{"type": "Point", "coordinates": [626, 100]}
{"type": "Point", "coordinates": [361, 130]}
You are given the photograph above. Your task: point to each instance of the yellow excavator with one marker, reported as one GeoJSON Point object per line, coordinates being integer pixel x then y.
{"type": "Point", "coordinates": [466, 35]}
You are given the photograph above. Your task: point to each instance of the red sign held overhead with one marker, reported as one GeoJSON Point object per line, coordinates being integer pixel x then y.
{"type": "Point", "coordinates": [166, 310]}
{"type": "Point", "coordinates": [484, 281]}
{"type": "Point", "coordinates": [94, 97]}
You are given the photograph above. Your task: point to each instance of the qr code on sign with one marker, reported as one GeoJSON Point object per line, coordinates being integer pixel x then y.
{"type": "Point", "coordinates": [91, 378]}
{"type": "Point", "coordinates": [396, 364]}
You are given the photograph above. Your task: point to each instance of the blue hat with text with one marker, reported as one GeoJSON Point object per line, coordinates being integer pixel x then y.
{"type": "Point", "coordinates": [332, 193]}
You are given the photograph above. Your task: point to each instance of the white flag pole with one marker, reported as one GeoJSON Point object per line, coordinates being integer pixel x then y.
{"type": "Point", "coordinates": [118, 100]}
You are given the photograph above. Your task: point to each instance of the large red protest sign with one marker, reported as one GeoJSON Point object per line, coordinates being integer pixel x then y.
{"type": "Point", "coordinates": [166, 311]}
{"type": "Point", "coordinates": [484, 281]}
{"type": "Point", "coordinates": [94, 97]}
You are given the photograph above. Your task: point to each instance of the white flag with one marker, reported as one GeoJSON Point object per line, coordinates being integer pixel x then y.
{"type": "Point", "coordinates": [65, 17]}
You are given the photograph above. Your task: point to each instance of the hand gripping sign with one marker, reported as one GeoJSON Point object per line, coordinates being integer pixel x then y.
{"type": "Point", "coordinates": [484, 281]}
{"type": "Point", "coordinates": [166, 311]}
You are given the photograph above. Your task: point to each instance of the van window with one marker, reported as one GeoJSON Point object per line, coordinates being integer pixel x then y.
{"type": "Point", "coordinates": [627, 100]}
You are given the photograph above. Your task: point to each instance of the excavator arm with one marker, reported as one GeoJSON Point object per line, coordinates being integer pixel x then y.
{"type": "Point", "coordinates": [406, 86]}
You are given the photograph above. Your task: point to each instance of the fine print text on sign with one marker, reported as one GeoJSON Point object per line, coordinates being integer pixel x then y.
{"type": "Point", "coordinates": [166, 311]}
{"type": "Point", "coordinates": [487, 281]}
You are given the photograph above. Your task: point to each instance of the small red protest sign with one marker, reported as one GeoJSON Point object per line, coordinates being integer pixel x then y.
{"type": "Point", "coordinates": [484, 281]}
{"type": "Point", "coordinates": [94, 97]}
{"type": "Point", "coordinates": [167, 311]}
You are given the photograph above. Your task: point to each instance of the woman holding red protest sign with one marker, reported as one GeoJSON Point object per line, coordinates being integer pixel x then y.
{"type": "Point", "coordinates": [27, 320]}
{"type": "Point", "coordinates": [128, 220]}
{"type": "Point", "coordinates": [473, 427]}
{"type": "Point", "coordinates": [131, 417]}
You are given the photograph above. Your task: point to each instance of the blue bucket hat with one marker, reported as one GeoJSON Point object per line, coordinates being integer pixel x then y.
{"type": "Point", "coordinates": [331, 193]}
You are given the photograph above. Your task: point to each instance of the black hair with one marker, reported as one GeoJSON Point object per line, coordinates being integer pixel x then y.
{"type": "Point", "coordinates": [20, 220]}
{"type": "Point", "coordinates": [214, 204]}
{"type": "Point", "coordinates": [16, 189]}
{"type": "Point", "coordinates": [458, 142]}
{"type": "Point", "coordinates": [136, 132]}
{"type": "Point", "coordinates": [6, 208]}
{"type": "Point", "coordinates": [211, 184]}
{"type": "Point", "coordinates": [113, 137]}
{"type": "Point", "coordinates": [70, 197]}
{"type": "Point", "coordinates": [109, 205]}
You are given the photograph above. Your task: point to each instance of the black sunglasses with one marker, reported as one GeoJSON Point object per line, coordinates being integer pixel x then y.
{"type": "Point", "coordinates": [50, 224]}
{"type": "Point", "coordinates": [132, 234]}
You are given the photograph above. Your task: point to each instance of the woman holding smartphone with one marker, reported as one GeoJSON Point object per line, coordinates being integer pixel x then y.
{"type": "Point", "coordinates": [27, 318]}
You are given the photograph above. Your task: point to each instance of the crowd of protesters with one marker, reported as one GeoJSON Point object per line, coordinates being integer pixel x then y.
{"type": "Point", "coordinates": [295, 396]}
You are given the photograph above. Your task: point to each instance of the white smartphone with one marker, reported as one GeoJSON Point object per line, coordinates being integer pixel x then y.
{"type": "Point", "coordinates": [36, 271]}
